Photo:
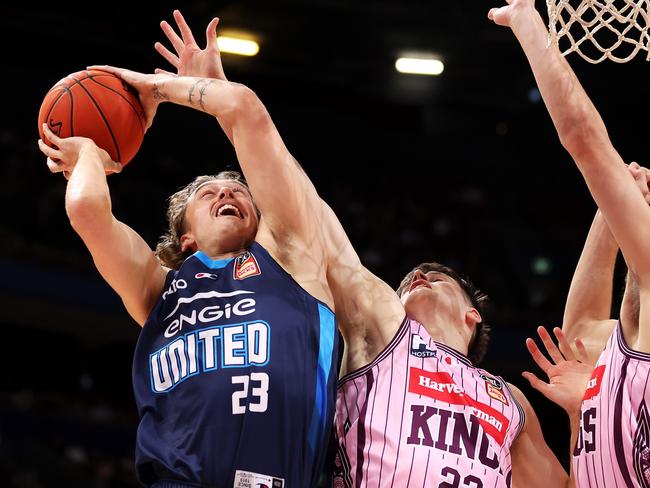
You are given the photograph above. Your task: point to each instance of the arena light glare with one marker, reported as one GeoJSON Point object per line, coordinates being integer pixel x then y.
{"type": "Point", "coordinates": [420, 66]}
{"type": "Point", "coordinates": [234, 45]}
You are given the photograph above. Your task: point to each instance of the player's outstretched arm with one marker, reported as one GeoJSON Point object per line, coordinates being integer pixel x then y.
{"type": "Point", "coordinates": [584, 135]}
{"type": "Point", "coordinates": [588, 308]}
{"type": "Point", "coordinates": [302, 227]}
{"type": "Point", "coordinates": [587, 313]}
{"type": "Point", "coordinates": [290, 206]}
{"type": "Point", "coordinates": [121, 256]}
{"type": "Point", "coordinates": [534, 465]}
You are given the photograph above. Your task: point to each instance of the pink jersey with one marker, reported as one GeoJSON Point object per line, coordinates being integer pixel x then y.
{"type": "Point", "coordinates": [613, 446]}
{"type": "Point", "coordinates": [421, 415]}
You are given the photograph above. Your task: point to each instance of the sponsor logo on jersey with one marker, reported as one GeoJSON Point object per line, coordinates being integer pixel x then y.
{"type": "Point", "coordinates": [593, 387]}
{"type": "Point", "coordinates": [494, 388]}
{"type": "Point", "coordinates": [441, 386]}
{"type": "Point", "coordinates": [175, 285]}
{"type": "Point", "coordinates": [209, 276]}
{"type": "Point", "coordinates": [419, 347]}
{"type": "Point", "coordinates": [236, 306]}
{"type": "Point", "coordinates": [245, 266]}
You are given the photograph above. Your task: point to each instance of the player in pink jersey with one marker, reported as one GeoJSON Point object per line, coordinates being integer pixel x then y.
{"type": "Point", "coordinates": [585, 392]}
{"type": "Point", "coordinates": [612, 423]}
{"type": "Point", "coordinates": [420, 413]}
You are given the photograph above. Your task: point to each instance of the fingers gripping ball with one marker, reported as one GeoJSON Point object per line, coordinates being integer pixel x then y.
{"type": "Point", "coordinates": [97, 105]}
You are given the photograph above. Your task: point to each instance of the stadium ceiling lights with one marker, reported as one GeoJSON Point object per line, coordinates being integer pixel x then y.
{"type": "Point", "coordinates": [237, 45]}
{"type": "Point", "coordinates": [420, 65]}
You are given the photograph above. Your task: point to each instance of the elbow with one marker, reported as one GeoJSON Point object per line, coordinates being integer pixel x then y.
{"type": "Point", "coordinates": [86, 211]}
{"type": "Point", "coordinates": [247, 107]}
{"type": "Point", "coordinates": [581, 136]}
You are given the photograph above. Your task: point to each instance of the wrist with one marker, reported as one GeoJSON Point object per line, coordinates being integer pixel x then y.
{"type": "Point", "coordinates": [88, 148]}
{"type": "Point", "coordinates": [160, 92]}
{"type": "Point", "coordinates": [91, 152]}
{"type": "Point", "coordinates": [574, 412]}
{"type": "Point", "coordinates": [523, 17]}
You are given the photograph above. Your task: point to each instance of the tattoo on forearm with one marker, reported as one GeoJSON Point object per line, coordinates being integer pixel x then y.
{"type": "Point", "coordinates": [202, 93]}
{"type": "Point", "coordinates": [158, 95]}
{"type": "Point", "coordinates": [191, 92]}
{"type": "Point", "coordinates": [201, 85]}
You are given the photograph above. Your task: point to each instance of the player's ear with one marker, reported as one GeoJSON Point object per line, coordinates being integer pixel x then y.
{"type": "Point", "coordinates": [472, 317]}
{"type": "Point", "coordinates": [188, 242]}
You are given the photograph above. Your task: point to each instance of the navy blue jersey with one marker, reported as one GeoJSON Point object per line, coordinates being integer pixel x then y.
{"type": "Point", "coordinates": [235, 377]}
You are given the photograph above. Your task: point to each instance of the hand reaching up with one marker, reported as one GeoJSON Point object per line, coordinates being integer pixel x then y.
{"type": "Point", "coordinates": [568, 372]}
{"type": "Point", "coordinates": [190, 59]}
{"type": "Point", "coordinates": [505, 15]}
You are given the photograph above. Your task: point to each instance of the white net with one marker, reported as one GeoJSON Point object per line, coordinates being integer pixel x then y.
{"type": "Point", "coordinates": [599, 30]}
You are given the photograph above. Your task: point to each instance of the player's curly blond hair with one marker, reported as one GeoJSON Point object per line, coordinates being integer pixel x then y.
{"type": "Point", "coordinates": [477, 346]}
{"type": "Point", "coordinates": [168, 249]}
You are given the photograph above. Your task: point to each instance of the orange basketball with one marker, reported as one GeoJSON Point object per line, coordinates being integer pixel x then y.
{"type": "Point", "coordinates": [97, 105]}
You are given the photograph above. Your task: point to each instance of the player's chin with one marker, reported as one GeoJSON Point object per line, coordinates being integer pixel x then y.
{"type": "Point", "coordinates": [417, 298]}
{"type": "Point", "coordinates": [237, 232]}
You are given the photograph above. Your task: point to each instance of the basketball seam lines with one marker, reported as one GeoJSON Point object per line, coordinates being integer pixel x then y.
{"type": "Point", "coordinates": [63, 92]}
{"type": "Point", "coordinates": [110, 130]}
{"type": "Point", "coordinates": [122, 96]}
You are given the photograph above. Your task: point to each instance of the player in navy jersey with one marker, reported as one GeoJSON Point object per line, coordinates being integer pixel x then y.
{"type": "Point", "coordinates": [235, 368]}
{"type": "Point", "coordinates": [612, 446]}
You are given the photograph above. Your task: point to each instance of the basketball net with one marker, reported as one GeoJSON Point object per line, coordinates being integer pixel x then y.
{"type": "Point", "coordinates": [600, 29]}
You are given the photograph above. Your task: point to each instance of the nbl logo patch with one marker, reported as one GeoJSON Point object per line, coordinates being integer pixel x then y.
{"type": "Point", "coordinates": [494, 388]}
{"type": "Point", "coordinates": [419, 347]}
{"type": "Point", "coordinates": [245, 266]}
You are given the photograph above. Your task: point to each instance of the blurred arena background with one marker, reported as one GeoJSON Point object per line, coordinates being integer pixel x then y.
{"type": "Point", "coordinates": [464, 168]}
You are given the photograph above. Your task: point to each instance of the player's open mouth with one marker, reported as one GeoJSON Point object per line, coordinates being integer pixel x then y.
{"type": "Point", "coordinates": [228, 210]}
{"type": "Point", "coordinates": [418, 283]}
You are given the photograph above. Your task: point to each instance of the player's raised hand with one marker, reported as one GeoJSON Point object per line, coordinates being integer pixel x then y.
{"type": "Point", "coordinates": [504, 15]}
{"type": "Point", "coordinates": [148, 87]}
{"type": "Point", "coordinates": [568, 372]}
{"type": "Point", "coordinates": [65, 156]}
{"type": "Point", "coordinates": [190, 59]}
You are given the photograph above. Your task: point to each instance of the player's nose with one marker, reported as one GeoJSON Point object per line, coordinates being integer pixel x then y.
{"type": "Point", "coordinates": [225, 192]}
{"type": "Point", "coordinates": [419, 275]}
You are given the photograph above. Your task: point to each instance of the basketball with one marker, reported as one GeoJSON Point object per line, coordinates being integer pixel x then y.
{"type": "Point", "coordinates": [97, 105]}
